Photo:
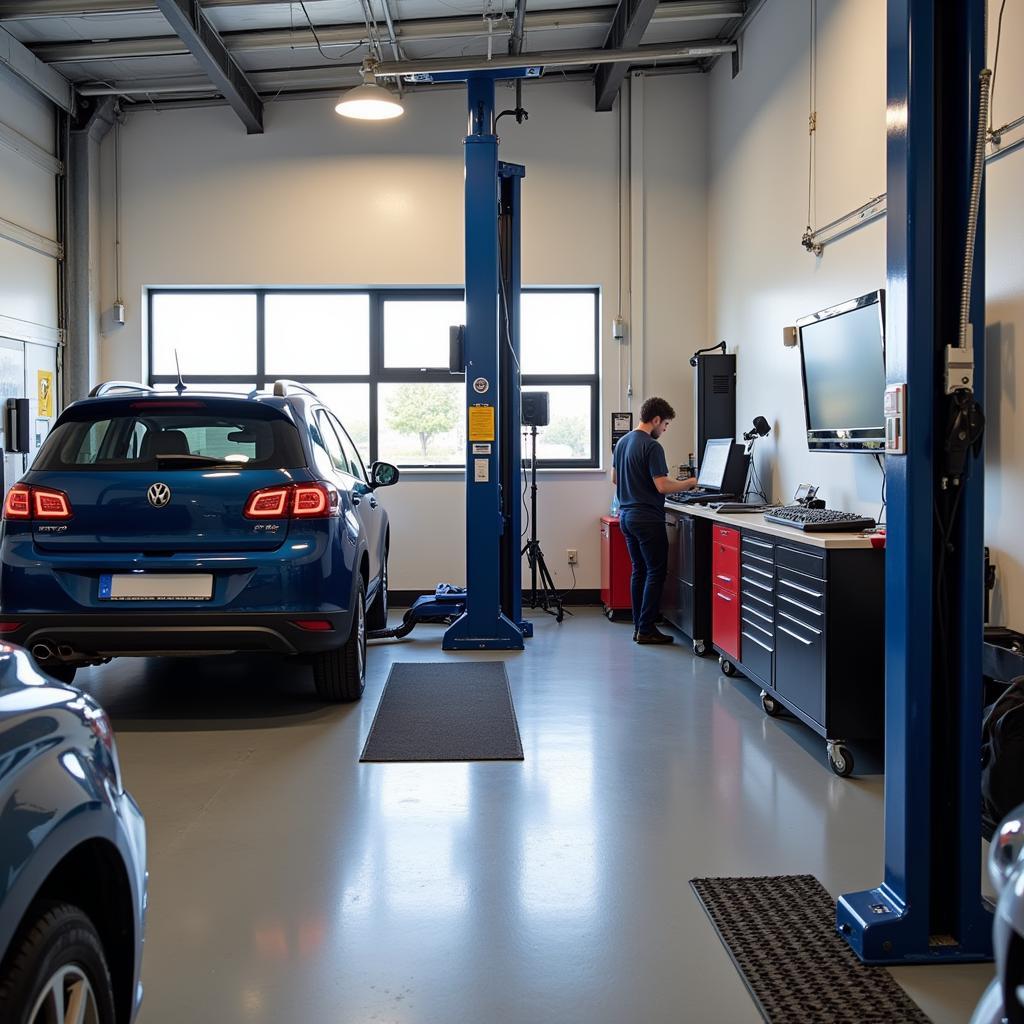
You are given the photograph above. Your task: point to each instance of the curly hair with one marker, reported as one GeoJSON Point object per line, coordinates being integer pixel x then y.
{"type": "Point", "coordinates": [656, 407]}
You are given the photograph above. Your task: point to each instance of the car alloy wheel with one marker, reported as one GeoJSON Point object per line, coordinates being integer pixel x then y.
{"type": "Point", "coordinates": [361, 638]}
{"type": "Point", "coordinates": [67, 998]}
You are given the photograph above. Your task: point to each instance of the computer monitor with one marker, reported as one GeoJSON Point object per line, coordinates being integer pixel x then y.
{"type": "Point", "coordinates": [712, 465]}
{"type": "Point", "coordinates": [842, 356]}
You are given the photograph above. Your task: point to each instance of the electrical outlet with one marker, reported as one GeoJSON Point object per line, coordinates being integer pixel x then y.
{"type": "Point", "coordinates": [573, 556]}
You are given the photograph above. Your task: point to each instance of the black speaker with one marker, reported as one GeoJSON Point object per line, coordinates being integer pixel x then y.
{"type": "Point", "coordinates": [715, 384]}
{"type": "Point", "coordinates": [535, 409]}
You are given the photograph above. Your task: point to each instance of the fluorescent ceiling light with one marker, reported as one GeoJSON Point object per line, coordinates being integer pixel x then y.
{"type": "Point", "coordinates": [369, 101]}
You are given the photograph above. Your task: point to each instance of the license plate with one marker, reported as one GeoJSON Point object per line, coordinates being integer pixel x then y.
{"type": "Point", "coordinates": [156, 586]}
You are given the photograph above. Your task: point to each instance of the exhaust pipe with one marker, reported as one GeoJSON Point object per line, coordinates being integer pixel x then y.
{"type": "Point", "coordinates": [65, 652]}
{"type": "Point", "coordinates": [43, 652]}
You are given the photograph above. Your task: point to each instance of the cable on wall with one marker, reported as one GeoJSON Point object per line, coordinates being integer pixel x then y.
{"type": "Point", "coordinates": [812, 128]}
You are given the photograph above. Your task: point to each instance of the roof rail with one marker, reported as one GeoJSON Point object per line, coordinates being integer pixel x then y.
{"type": "Point", "coordinates": [282, 388]}
{"type": "Point", "coordinates": [118, 385]}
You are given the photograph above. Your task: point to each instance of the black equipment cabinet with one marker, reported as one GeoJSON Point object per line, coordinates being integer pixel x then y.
{"type": "Point", "coordinates": [715, 399]}
{"type": "Point", "coordinates": [686, 601]}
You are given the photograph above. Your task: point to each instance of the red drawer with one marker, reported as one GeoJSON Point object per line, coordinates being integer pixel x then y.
{"type": "Point", "coordinates": [725, 561]}
{"type": "Point", "coordinates": [725, 622]}
{"type": "Point", "coordinates": [726, 535]}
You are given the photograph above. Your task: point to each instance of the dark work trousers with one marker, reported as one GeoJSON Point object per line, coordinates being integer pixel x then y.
{"type": "Point", "coordinates": [647, 543]}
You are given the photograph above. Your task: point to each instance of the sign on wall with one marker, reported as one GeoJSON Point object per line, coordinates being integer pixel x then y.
{"type": "Point", "coordinates": [44, 388]}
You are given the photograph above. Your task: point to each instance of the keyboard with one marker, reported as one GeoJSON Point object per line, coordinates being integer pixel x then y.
{"type": "Point", "coordinates": [818, 520]}
{"type": "Point", "coordinates": [697, 497]}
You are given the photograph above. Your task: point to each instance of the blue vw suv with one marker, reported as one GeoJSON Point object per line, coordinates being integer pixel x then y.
{"type": "Point", "coordinates": [194, 523]}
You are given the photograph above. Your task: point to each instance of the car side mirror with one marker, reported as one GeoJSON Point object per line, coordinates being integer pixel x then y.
{"type": "Point", "coordinates": [383, 474]}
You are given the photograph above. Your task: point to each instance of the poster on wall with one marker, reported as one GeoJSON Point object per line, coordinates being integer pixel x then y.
{"type": "Point", "coordinates": [44, 386]}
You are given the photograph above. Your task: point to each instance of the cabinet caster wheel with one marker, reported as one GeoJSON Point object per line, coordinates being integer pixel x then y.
{"type": "Point", "coordinates": [727, 667]}
{"type": "Point", "coordinates": [840, 759]}
{"type": "Point", "coordinates": [772, 708]}
{"type": "Point", "coordinates": [609, 614]}
{"type": "Point", "coordinates": [700, 648]}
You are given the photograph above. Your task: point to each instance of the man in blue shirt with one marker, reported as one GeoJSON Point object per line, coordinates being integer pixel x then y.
{"type": "Point", "coordinates": [640, 475]}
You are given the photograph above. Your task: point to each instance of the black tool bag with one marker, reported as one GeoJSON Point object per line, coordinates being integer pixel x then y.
{"type": "Point", "coordinates": [1002, 753]}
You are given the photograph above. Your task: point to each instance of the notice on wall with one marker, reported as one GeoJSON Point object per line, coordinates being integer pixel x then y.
{"type": "Point", "coordinates": [481, 423]}
{"type": "Point", "coordinates": [44, 390]}
{"type": "Point", "coordinates": [481, 471]}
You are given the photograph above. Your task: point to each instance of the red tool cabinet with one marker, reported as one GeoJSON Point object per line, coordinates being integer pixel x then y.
{"type": "Point", "coordinates": [725, 591]}
{"type": "Point", "coordinates": [616, 569]}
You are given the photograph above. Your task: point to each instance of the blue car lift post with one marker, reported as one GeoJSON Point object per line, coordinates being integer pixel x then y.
{"type": "Point", "coordinates": [488, 613]}
{"type": "Point", "coordinates": [929, 908]}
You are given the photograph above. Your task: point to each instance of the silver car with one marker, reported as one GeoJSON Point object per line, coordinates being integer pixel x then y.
{"type": "Point", "coordinates": [1003, 1000]}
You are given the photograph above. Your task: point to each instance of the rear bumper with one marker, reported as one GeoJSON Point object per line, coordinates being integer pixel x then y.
{"type": "Point", "coordinates": [141, 633]}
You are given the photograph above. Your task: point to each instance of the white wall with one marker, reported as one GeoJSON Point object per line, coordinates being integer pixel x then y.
{"type": "Point", "coordinates": [761, 279]}
{"type": "Point", "coordinates": [315, 201]}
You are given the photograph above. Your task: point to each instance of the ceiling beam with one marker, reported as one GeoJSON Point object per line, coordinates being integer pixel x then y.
{"type": "Point", "coordinates": [270, 83]}
{"type": "Point", "coordinates": [628, 26]}
{"type": "Point", "coordinates": [11, 10]}
{"type": "Point", "coordinates": [27, 66]}
{"type": "Point", "coordinates": [203, 42]}
{"type": "Point", "coordinates": [353, 33]}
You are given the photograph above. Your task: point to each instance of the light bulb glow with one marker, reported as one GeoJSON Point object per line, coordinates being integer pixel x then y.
{"type": "Point", "coordinates": [369, 102]}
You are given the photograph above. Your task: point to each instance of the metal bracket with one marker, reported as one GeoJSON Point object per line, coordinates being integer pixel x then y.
{"type": "Point", "coordinates": [959, 368]}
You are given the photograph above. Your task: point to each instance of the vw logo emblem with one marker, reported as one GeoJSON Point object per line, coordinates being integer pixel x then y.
{"type": "Point", "coordinates": [159, 495]}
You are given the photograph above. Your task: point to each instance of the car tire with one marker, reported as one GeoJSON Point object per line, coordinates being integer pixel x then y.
{"type": "Point", "coordinates": [340, 674]}
{"type": "Point", "coordinates": [57, 955]}
{"type": "Point", "coordinates": [377, 613]}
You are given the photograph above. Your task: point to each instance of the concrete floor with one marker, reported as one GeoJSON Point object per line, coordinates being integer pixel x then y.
{"type": "Point", "coordinates": [290, 883]}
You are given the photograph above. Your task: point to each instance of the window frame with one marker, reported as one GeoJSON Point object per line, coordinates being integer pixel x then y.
{"type": "Point", "coordinates": [378, 372]}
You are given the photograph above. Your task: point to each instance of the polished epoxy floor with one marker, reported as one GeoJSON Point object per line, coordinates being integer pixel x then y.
{"type": "Point", "coordinates": [289, 883]}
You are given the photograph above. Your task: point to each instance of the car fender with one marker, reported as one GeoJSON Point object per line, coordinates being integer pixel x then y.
{"type": "Point", "coordinates": [74, 811]}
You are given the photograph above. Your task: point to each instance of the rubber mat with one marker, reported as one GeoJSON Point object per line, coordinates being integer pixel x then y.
{"type": "Point", "coordinates": [780, 933]}
{"type": "Point", "coordinates": [445, 712]}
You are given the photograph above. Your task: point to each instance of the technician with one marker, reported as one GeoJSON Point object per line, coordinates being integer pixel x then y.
{"type": "Point", "coordinates": [640, 475]}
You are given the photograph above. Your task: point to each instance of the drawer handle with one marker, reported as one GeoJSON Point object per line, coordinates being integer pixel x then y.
{"type": "Point", "coordinates": [725, 579]}
{"type": "Point", "coordinates": [800, 604]}
{"type": "Point", "coordinates": [758, 642]}
{"type": "Point", "coordinates": [723, 597]}
{"type": "Point", "coordinates": [806, 643]}
{"type": "Point", "coordinates": [760, 558]}
{"type": "Point", "coordinates": [760, 615]}
{"type": "Point", "coordinates": [760, 572]}
{"type": "Point", "coordinates": [757, 583]}
{"type": "Point", "coordinates": [799, 622]}
{"type": "Point", "coordinates": [796, 586]}
{"type": "Point", "coordinates": [759, 543]}
{"type": "Point", "coordinates": [754, 625]}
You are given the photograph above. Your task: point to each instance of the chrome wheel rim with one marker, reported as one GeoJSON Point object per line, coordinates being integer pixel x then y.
{"type": "Point", "coordinates": [384, 587]}
{"type": "Point", "coordinates": [67, 998]}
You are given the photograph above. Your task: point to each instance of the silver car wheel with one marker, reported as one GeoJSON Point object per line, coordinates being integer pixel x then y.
{"type": "Point", "coordinates": [67, 998]}
{"type": "Point", "coordinates": [361, 638]}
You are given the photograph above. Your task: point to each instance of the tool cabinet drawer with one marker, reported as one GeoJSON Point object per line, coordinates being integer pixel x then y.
{"type": "Point", "coordinates": [795, 588]}
{"type": "Point", "coordinates": [757, 653]}
{"type": "Point", "coordinates": [725, 566]}
{"type": "Point", "coordinates": [808, 562]}
{"type": "Point", "coordinates": [725, 622]}
{"type": "Point", "coordinates": [726, 535]}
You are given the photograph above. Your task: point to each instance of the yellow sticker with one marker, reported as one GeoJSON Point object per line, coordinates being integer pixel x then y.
{"type": "Point", "coordinates": [481, 423]}
{"type": "Point", "coordinates": [44, 388]}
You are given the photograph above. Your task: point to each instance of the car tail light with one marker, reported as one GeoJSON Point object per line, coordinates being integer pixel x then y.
{"type": "Point", "coordinates": [313, 625]}
{"type": "Point", "coordinates": [9, 627]}
{"type": "Point", "coordinates": [19, 502]}
{"type": "Point", "coordinates": [293, 501]}
{"type": "Point", "coordinates": [310, 500]}
{"type": "Point", "coordinates": [24, 502]}
{"type": "Point", "coordinates": [50, 504]}
{"type": "Point", "coordinates": [269, 503]}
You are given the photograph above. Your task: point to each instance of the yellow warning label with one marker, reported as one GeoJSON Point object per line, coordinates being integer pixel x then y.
{"type": "Point", "coordinates": [44, 390]}
{"type": "Point", "coordinates": [481, 423]}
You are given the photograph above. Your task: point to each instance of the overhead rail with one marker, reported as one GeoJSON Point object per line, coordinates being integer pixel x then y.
{"type": "Point", "coordinates": [816, 240]}
{"type": "Point", "coordinates": [13, 140]}
{"type": "Point", "coordinates": [354, 33]}
{"type": "Point", "coordinates": [30, 239]}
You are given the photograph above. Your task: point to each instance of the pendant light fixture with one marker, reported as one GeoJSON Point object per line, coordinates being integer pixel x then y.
{"type": "Point", "coordinates": [369, 101]}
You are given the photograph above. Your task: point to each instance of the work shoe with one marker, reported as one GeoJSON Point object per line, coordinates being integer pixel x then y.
{"type": "Point", "coordinates": [656, 637]}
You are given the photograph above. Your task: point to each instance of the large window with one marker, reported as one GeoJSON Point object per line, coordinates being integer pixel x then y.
{"type": "Point", "coordinates": [379, 359]}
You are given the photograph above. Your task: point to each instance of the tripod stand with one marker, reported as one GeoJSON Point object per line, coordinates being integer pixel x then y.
{"type": "Point", "coordinates": [545, 596]}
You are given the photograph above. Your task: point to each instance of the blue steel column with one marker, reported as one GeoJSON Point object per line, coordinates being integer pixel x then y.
{"type": "Point", "coordinates": [929, 908]}
{"type": "Point", "coordinates": [483, 626]}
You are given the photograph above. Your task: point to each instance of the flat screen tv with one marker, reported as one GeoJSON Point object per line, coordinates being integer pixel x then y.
{"type": "Point", "coordinates": [842, 365]}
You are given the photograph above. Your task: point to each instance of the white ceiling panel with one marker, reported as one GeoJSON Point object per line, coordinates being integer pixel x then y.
{"type": "Point", "coordinates": [88, 27]}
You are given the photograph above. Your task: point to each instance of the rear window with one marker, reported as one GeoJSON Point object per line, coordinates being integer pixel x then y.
{"type": "Point", "coordinates": [143, 440]}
